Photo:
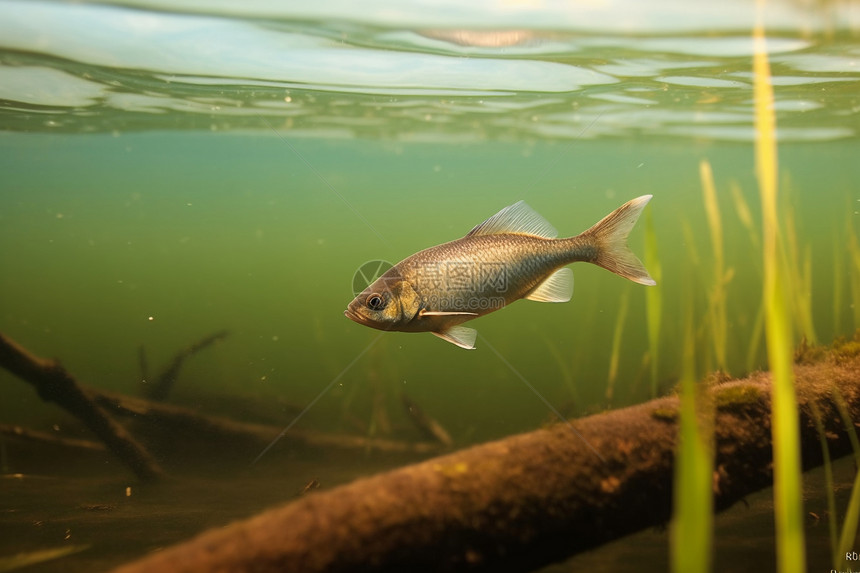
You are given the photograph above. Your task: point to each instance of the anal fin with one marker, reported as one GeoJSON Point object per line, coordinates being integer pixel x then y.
{"type": "Point", "coordinates": [462, 336]}
{"type": "Point", "coordinates": [558, 287]}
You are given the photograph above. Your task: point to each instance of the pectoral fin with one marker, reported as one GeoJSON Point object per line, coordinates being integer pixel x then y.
{"type": "Point", "coordinates": [462, 336]}
{"type": "Point", "coordinates": [558, 287]}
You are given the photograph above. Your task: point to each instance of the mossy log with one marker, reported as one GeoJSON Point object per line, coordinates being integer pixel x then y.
{"type": "Point", "coordinates": [527, 500]}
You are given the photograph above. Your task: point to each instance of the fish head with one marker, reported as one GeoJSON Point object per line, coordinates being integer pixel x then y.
{"type": "Point", "coordinates": [390, 303]}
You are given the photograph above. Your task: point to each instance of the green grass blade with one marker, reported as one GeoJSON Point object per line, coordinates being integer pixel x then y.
{"type": "Point", "coordinates": [755, 340]}
{"type": "Point", "coordinates": [745, 215]}
{"type": "Point", "coordinates": [653, 300]}
{"type": "Point", "coordinates": [22, 560]}
{"type": "Point", "coordinates": [848, 422]}
{"type": "Point", "coordinates": [717, 312]}
{"type": "Point", "coordinates": [692, 522]}
{"type": "Point", "coordinates": [854, 250]}
{"type": "Point", "coordinates": [849, 527]}
{"type": "Point", "coordinates": [616, 344]}
{"type": "Point", "coordinates": [799, 273]}
{"type": "Point", "coordinates": [788, 506]}
{"type": "Point", "coordinates": [828, 484]}
{"type": "Point", "coordinates": [566, 375]}
{"type": "Point", "coordinates": [838, 277]}
{"type": "Point", "coordinates": [852, 514]}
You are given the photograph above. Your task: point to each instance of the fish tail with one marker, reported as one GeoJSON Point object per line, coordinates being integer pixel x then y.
{"type": "Point", "coordinates": [609, 237]}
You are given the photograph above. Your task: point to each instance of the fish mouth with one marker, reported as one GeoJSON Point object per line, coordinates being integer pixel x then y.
{"type": "Point", "coordinates": [355, 317]}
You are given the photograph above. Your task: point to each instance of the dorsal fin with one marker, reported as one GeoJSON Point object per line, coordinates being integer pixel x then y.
{"type": "Point", "coordinates": [518, 218]}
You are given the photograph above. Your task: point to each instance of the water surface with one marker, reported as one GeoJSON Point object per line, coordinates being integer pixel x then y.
{"type": "Point", "coordinates": [170, 169]}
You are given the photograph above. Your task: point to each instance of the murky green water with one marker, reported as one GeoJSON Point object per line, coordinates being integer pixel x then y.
{"type": "Point", "coordinates": [167, 173]}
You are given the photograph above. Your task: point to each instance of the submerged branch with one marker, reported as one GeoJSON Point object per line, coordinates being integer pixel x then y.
{"type": "Point", "coordinates": [35, 436]}
{"type": "Point", "coordinates": [162, 422]}
{"type": "Point", "coordinates": [527, 500]}
{"type": "Point", "coordinates": [54, 384]}
{"type": "Point", "coordinates": [159, 424]}
{"type": "Point", "coordinates": [428, 426]}
{"type": "Point", "coordinates": [161, 387]}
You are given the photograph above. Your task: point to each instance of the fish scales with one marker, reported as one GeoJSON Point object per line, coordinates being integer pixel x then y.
{"type": "Point", "coordinates": [512, 255]}
{"type": "Point", "coordinates": [466, 267]}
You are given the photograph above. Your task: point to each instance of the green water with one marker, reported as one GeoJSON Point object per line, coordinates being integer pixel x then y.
{"type": "Point", "coordinates": [168, 174]}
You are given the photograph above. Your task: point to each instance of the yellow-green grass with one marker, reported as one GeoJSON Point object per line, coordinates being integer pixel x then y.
{"type": "Point", "coordinates": [755, 340]}
{"type": "Point", "coordinates": [788, 507]}
{"type": "Point", "coordinates": [692, 522]}
{"type": "Point", "coordinates": [700, 333]}
{"type": "Point", "coordinates": [849, 526]}
{"type": "Point", "coordinates": [566, 375]}
{"type": "Point", "coordinates": [615, 356]}
{"type": "Point", "coordinates": [838, 278]}
{"type": "Point", "coordinates": [717, 307]}
{"type": "Point", "coordinates": [847, 422]}
{"type": "Point", "coordinates": [653, 300]}
{"type": "Point", "coordinates": [745, 215]}
{"type": "Point", "coordinates": [799, 276]}
{"type": "Point", "coordinates": [828, 483]}
{"type": "Point", "coordinates": [852, 513]}
{"type": "Point", "coordinates": [854, 250]}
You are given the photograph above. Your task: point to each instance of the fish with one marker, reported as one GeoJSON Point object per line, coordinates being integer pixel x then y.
{"type": "Point", "coordinates": [513, 255]}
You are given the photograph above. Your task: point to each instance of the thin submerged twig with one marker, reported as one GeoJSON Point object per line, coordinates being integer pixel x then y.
{"type": "Point", "coordinates": [160, 388]}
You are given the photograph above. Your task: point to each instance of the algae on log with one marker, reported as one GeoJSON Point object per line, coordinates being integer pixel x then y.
{"type": "Point", "coordinates": [524, 501]}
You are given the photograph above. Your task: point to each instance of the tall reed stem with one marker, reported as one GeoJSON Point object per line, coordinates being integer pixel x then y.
{"type": "Point", "coordinates": [788, 507]}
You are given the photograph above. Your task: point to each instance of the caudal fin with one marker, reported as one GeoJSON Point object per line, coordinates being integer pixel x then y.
{"type": "Point", "coordinates": [610, 238]}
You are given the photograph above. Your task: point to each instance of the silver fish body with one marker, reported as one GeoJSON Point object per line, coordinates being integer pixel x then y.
{"type": "Point", "coordinates": [512, 255]}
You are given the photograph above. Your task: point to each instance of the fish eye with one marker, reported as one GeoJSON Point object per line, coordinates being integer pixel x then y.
{"type": "Point", "coordinates": [375, 301]}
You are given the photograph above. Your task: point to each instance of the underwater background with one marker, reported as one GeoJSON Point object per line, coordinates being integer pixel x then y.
{"type": "Point", "coordinates": [172, 169]}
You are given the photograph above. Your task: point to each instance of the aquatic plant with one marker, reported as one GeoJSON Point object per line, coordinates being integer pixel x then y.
{"type": "Point", "coordinates": [848, 422]}
{"type": "Point", "coordinates": [849, 526]}
{"type": "Point", "coordinates": [755, 339]}
{"type": "Point", "coordinates": [852, 513]}
{"type": "Point", "coordinates": [838, 279]}
{"type": "Point", "coordinates": [692, 254]}
{"type": "Point", "coordinates": [799, 275]}
{"type": "Point", "coordinates": [854, 250]}
{"type": "Point", "coordinates": [704, 358]}
{"type": "Point", "coordinates": [615, 355]}
{"type": "Point", "coordinates": [692, 522]}
{"type": "Point", "coordinates": [563, 368]}
{"type": "Point", "coordinates": [653, 300]}
{"type": "Point", "coordinates": [828, 483]}
{"type": "Point", "coordinates": [717, 304]}
{"type": "Point", "coordinates": [788, 507]}
{"type": "Point", "coordinates": [742, 210]}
